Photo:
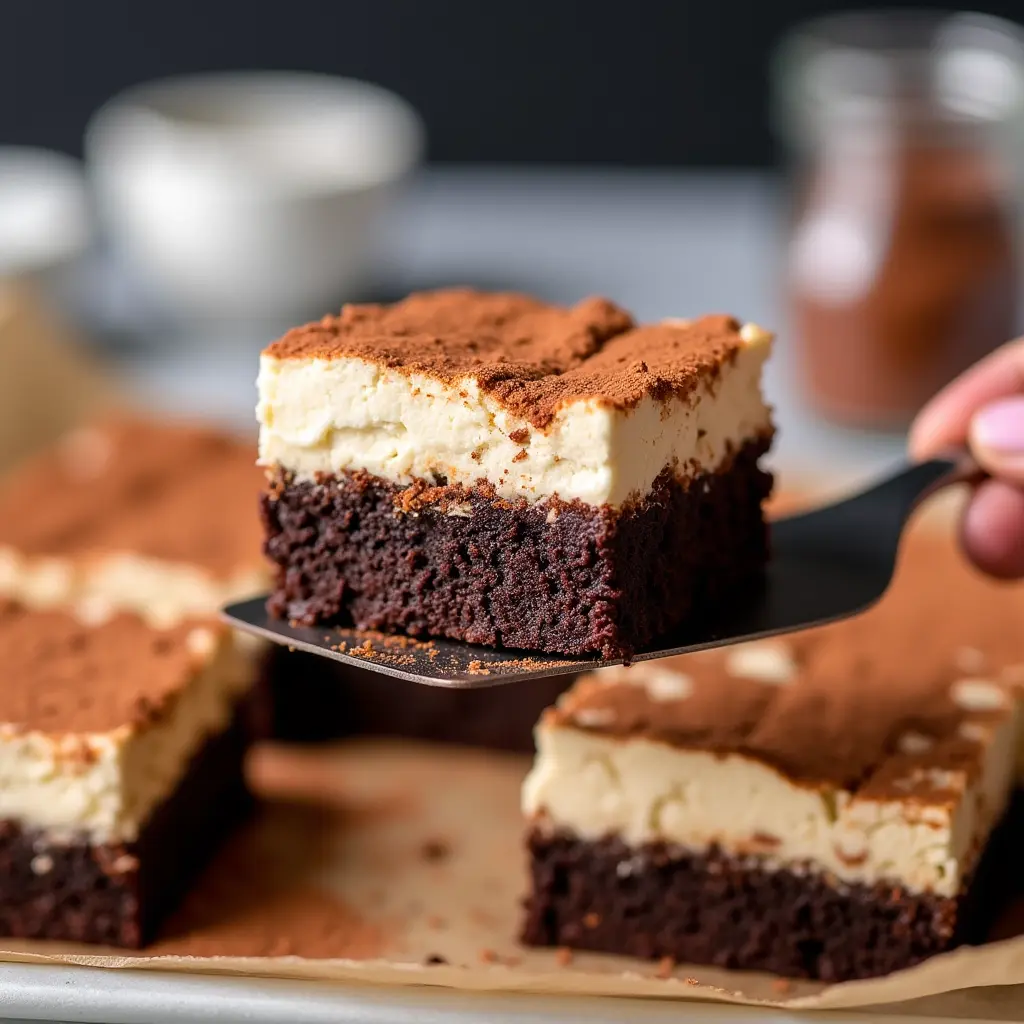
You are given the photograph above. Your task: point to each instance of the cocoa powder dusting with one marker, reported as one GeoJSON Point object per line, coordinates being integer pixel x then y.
{"type": "Point", "coordinates": [531, 357]}
{"type": "Point", "coordinates": [63, 676]}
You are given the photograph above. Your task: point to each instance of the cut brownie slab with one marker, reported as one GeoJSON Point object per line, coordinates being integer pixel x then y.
{"type": "Point", "coordinates": [121, 751]}
{"type": "Point", "coordinates": [153, 517]}
{"type": "Point", "coordinates": [498, 470]}
{"type": "Point", "coordinates": [816, 807]}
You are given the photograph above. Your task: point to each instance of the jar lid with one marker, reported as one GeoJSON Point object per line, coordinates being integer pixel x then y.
{"type": "Point", "coordinates": [917, 70]}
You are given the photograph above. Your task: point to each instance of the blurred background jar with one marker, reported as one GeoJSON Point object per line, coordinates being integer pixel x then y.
{"type": "Point", "coordinates": [904, 263]}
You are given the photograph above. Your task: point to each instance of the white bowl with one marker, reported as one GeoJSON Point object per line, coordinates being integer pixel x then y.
{"type": "Point", "coordinates": [44, 211]}
{"type": "Point", "coordinates": [250, 195]}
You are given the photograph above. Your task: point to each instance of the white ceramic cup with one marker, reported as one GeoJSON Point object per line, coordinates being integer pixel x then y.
{"type": "Point", "coordinates": [250, 195]}
{"type": "Point", "coordinates": [45, 220]}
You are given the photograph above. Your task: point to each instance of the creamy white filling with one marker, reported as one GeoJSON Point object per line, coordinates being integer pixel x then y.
{"type": "Point", "coordinates": [328, 416]}
{"type": "Point", "coordinates": [105, 785]}
{"type": "Point", "coordinates": [642, 791]}
{"type": "Point", "coordinates": [161, 593]}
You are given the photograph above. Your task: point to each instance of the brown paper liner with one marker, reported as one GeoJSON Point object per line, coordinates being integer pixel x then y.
{"type": "Point", "coordinates": [395, 853]}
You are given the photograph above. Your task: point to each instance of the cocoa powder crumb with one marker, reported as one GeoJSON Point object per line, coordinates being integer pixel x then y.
{"type": "Point", "coordinates": [434, 850]}
{"type": "Point", "coordinates": [520, 455]}
{"type": "Point", "coordinates": [666, 965]}
{"type": "Point", "coordinates": [520, 436]}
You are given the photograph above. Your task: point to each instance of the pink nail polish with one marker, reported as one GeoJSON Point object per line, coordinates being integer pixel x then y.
{"type": "Point", "coordinates": [1000, 426]}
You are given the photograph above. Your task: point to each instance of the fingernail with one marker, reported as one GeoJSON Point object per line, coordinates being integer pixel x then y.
{"type": "Point", "coordinates": [999, 427]}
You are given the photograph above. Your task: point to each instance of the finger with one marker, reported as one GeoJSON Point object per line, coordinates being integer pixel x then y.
{"type": "Point", "coordinates": [946, 419]}
{"type": "Point", "coordinates": [992, 531]}
{"type": "Point", "coordinates": [997, 439]}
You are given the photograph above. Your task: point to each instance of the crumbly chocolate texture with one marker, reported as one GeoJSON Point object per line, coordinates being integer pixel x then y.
{"type": "Point", "coordinates": [61, 675]}
{"type": "Point", "coordinates": [118, 893]}
{"type": "Point", "coordinates": [866, 705]}
{"type": "Point", "coordinates": [508, 574]}
{"type": "Point", "coordinates": [316, 699]}
{"type": "Point", "coordinates": [139, 486]}
{"type": "Point", "coordinates": [531, 357]}
{"type": "Point", "coordinates": [713, 908]}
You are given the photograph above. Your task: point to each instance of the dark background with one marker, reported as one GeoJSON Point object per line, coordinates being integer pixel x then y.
{"type": "Point", "coordinates": [637, 82]}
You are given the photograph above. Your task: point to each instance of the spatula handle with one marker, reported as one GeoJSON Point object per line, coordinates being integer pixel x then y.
{"type": "Point", "coordinates": [881, 510]}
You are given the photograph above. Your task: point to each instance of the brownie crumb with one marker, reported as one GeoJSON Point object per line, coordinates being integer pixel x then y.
{"type": "Point", "coordinates": [488, 956]}
{"type": "Point", "coordinates": [563, 956]}
{"type": "Point", "coordinates": [434, 959]}
{"type": "Point", "coordinates": [520, 455]}
{"type": "Point", "coordinates": [782, 986]}
{"type": "Point", "coordinates": [666, 965]}
{"type": "Point", "coordinates": [434, 850]}
{"type": "Point", "coordinates": [520, 436]}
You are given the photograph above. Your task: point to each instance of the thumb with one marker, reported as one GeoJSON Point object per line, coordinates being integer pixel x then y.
{"type": "Point", "coordinates": [997, 438]}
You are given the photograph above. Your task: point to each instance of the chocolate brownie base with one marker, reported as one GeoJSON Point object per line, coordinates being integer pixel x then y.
{"type": "Point", "coordinates": [118, 893]}
{"type": "Point", "coordinates": [569, 579]}
{"type": "Point", "coordinates": [713, 909]}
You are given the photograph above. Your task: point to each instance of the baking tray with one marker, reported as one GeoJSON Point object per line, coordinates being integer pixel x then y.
{"type": "Point", "coordinates": [81, 994]}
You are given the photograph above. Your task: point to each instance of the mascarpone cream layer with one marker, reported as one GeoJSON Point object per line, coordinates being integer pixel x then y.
{"type": "Point", "coordinates": [161, 593]}
{"type": "Point", "coordinates": [346, 414]}
{"type": "Point", "coordinates": [105, 785]}
{"type": "Point", "coordinates": [594, 785]}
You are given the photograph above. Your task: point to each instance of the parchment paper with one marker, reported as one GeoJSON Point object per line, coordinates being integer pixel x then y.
{"type": "Point", "coordinates": [388, 854]}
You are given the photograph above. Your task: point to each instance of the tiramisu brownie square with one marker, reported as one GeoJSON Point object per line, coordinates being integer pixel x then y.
{"type": "Point", "coordinates": [121, 751]}
{"type": "Point", "coordinates": [505, 472]}
{"type": "Point", "coordinates": [815, 807]}
{"type": "Point", "coordinates": [155, 517]}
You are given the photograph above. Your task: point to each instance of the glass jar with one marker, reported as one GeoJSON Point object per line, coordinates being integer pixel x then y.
{"type": "Point", "coordinates": [903, 265]}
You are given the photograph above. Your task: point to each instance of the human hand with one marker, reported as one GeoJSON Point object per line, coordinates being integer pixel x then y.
{"type": "Point", "coordinates": [984, 409]}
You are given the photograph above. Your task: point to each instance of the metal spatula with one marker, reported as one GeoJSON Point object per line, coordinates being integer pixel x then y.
{"type": "Point", "coordinates": [827, 564]}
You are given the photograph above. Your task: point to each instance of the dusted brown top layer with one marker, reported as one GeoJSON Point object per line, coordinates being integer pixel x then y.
{"type": "Point", "coordinates": [902, 692]}
{"type": "Point", "coordinates": [62, 676]}
{"type": "Point", "coordinates": [530, 356]}
{"type": "Point", "coordinates": [167, 491]}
